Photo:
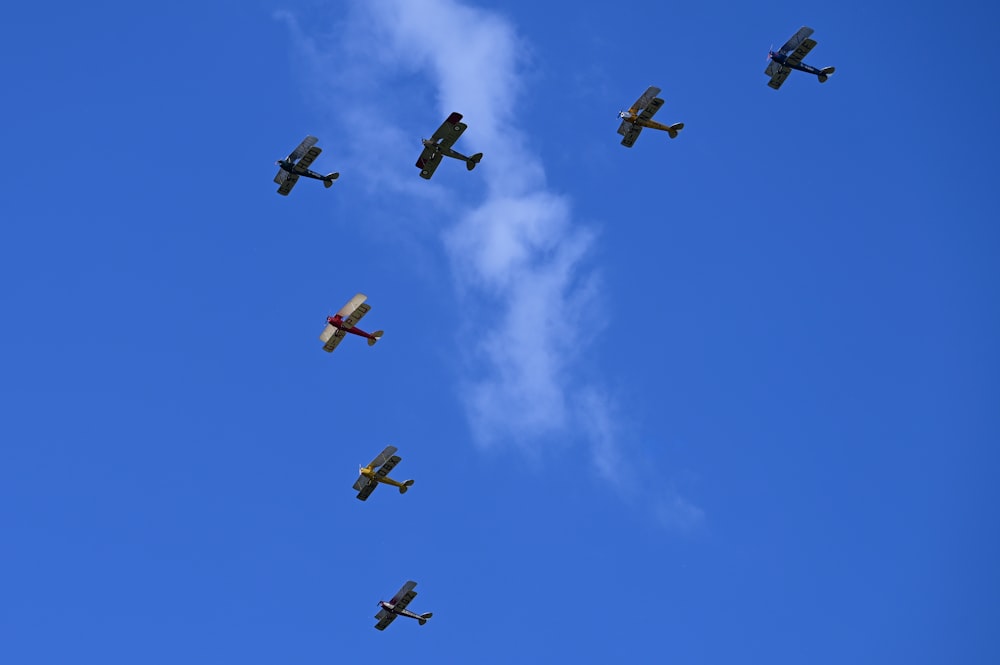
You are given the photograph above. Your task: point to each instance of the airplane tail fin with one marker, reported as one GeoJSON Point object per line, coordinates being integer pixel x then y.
{"type": "Point", "coordinates": [329, 178]}
{"type": "Point", "coordinates": [825, 73]}
{"type": "Point", "coordinates": [375, 337]}
{"type": "Point", "coordinates": [674, 128]}
{"type": "Point", "coordinates": [472, 161]}
{"type": "Point", "coordinates": [405, 486]}
{"type": "Point", "coordinates": [424, 617]}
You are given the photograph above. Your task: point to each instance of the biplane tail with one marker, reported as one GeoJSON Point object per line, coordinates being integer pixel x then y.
{"type": "Point", "coordinates": [424, 617]}
{"type": "Point", "coordinates": [375, 337]}
{"type": "Point", "coordinates": [405, 486]}
{"type": "Point", "coordinates": [824, 73]}
{"type": "Point", "coordinates": [471, 162]}
{"type": "Point", "coordinates": [329, 178]}
{"type": "Point", "coordinates": [674, 128]}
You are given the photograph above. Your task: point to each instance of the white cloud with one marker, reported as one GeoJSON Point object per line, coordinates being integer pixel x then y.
{"type": "Point", "coordinates": [518, 260]}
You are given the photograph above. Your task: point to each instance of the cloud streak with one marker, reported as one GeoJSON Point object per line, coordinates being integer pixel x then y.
{"type": "Point", "coordinates": [517, 258]}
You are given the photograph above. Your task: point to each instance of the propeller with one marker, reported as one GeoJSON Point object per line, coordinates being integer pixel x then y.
{"type": "Point", "coordinates": [770, 52]}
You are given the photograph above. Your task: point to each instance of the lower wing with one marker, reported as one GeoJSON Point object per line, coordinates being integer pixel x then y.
{"type": "Point", "coordinates": [779, 77]}
{"type": "Point", "coordinates": [801, 52]}
{"type": "Point", "coordinates": [331, 337]}
{"type": "Point", "coordinates": [367, 490]}
{"type": "Point", "coordinates": [651, 109]}
{"type": "Point", "coordinates": [631, 134]}
{"type": "Point", "coordinates": [428, 163]}
{"type": "Point", "coordinates": [384, 619]}
{"type": "Point", "coordinates": [287, 182]}
{"type": "Point", "coordinates": [356, 315]}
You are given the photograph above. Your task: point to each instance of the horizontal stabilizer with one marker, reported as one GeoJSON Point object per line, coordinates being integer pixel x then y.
{"type": "Point", "coordinates": [375, 337]}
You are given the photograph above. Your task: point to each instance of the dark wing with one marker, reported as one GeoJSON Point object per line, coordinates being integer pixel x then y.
{"type": "Point", "coordinates": [309, 157]}
{"type": "Point", "coordinates": [367, 489]}
{"type": "Point", "coordinates": [404, 596]}
{"type": "Point", "coordinates": [287, 181]}
{"type": "Point", "coordinates": [428, 163]}
{"type": "Point", "coordinates": [331, 337]}
{"type": "Point", "coordinates": [651, 108]}
{"type": "Point", "coordinates": [356, 315]}
{"type": "Point", "coordinates": [307, 143]}
{"type": "Point", "coordinates": [796, 39]}
{"type": "Point", "coordinates": [451, 127]}
{"type": "Point", "coordinates": [777, 73]}
{"type": "Point", "coordinates": [383, 456]}
{"type": "Point", "coordinates": [642, 102]}
{"type": "Point", "coordinates": [631, 132]}
{"type": "Point", "coordinates": [801, 52]}
{"type": "Point", "coordinates": [384, 619]}
{"type": "Point", "coordinates": [389, 465]}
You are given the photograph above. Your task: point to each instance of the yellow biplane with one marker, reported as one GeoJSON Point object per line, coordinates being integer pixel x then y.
{"type": "Point", "coordinates": [377, 472]}
{"type": "Point", "coordinates": [641, 115]}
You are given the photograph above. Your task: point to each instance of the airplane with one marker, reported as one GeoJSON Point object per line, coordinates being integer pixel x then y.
{"type": "Point", "coordinates": [337, 326]}
{"type": "Point", "coordinates": [397, 607]}
{"type": "Point", "coordinates": [377, 472]}
{"type": "Point", "coordinates": [782, 63]}
{"type": "Point", "coordinates": [440, 144]}
{"type": "Point", "coordinates": [641, 115]}
{"type": "Point", "coordinates": [289, 174]}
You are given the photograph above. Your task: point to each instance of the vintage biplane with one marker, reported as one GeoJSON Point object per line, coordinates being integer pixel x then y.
{"type": "Point", "coordinates": [377, 472]}
{"type": "Point", "coordinates": [297, 164]}
{"type": "Point", "coordinates": [397, 607]}
{"type": "Point", "coordinates": [343, 322]}
{"type": "Point", "coordinates": [440, 144]}
{"type": "Point", "coordinates": [641, 115]}
{"type": "Point", "coordinates": [790, 56]}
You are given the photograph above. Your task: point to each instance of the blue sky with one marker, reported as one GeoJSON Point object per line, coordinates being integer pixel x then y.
{"type": "Point", "coordinates": [725, 398]}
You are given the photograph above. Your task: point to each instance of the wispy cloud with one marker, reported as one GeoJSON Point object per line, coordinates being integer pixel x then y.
{"type": "Point", "coordinates": [518, 259]}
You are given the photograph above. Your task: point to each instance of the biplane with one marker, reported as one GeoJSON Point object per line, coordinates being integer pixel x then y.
{"type": "Point", "coordinates": [377, 472]}
{"type": "Point", "coordinates": [790, 56]}
{"type": "Point", "coordinates": [641, 115]}
{"type": "Point", "coordinates": [297, 164]}
{"type": "Point", "coordinates": [440, 144]}
{"type": "Point", "coordinates": [343, 322]}
{"type": "Point", "coordinates": [388, 611]}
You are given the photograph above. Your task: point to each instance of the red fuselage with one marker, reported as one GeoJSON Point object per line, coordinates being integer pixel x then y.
{"type": "Point", "coordinates": [338, 322]}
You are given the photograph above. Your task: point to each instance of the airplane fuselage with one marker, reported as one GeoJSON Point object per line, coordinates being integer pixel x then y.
{"type": "Point", "coordinates": [389, 607]}
{"type": "Point", "coordinates": [652, 124]}
{"type": "Point", "coordinates": [338, 322]}
{"type": "Point", "coordinates": [292, 168]}
{"type": "Point", "coordinates": [441, 150]}
{"type": "Point", "coordinates": [801, 66]}
{"type": "Point", "coordinates": [369, 472]}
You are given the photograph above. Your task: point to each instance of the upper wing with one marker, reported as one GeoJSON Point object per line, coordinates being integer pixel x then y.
{"type": "Point", "coordinates": [309, 157]}
{"type": "Point", "coordinates": [331, 337]}
{"type": "Point", "coordinates": [356, 315]}
{"type": "Point", "coordinates": [384, 619]}
{"type": "Point", "coordinates": [388, 466]}
{"type": "Point", "coordinates": [796, 39]}
{"type": "Point", "coordinates": [631, 132]}
{"type": "Point", "coordinates": [352, 305]}
{"type": "Point", "coordinates": [643, 101]}
{"type": "Point", "coordinates": [652, 107]}
{"type": "Point", "coordinates": [404, 596]}
{"type": "Point", "coordinates": [778, 75]}
{"type": "Point", "coordinates": [450, 130]}
{"type": "Point", "coordinates": [307, 143]}
{"type": "Point", "coordinates": [799, 53]}
{"type": "Point", "coordinates": [287, 182]}
{"type": "Point", "coordinates": [383, 456]}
